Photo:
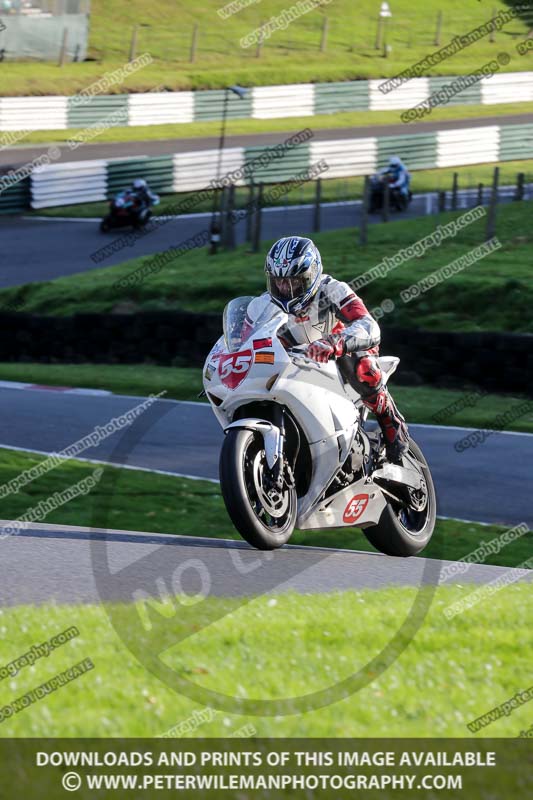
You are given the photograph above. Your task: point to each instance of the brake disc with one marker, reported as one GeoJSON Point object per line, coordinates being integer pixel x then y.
{"type": "Point", "coordinates": [273, 501]}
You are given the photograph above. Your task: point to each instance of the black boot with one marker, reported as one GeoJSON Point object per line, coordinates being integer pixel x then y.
{"type": "Point", "coordinates": [393, 426]}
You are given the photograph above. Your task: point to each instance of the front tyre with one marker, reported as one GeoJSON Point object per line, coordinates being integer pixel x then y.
{"type": "Point", "coordinates": [402, 530]}
{"type": "Point", "coordinates": [263, 514]}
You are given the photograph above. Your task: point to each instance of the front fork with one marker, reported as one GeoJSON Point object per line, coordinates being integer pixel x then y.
{"type": "Point", "coordinates": [281, 465]}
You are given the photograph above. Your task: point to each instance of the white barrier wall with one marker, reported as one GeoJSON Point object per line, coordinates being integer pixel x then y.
{"type": "Point", "coordinates": [86, 181]}
{"type": "Point", "coordinates": [501, 88]}
{"type": "Point", "coordinates": [158, 108]}
{"type": "Point", "coordinates": [33, 113]}
{"type": "Point", "coordinates": [196, 170]}
{"type": "Point", "coordinates": [404, 96]}
{"type": "Point", "coordinates": [267, 102]}
{"type": "Point", "coordinates": [354, 157]}
{"type": "Point", "coordinates": [70, 183]}
{"type": "Point", "coordinates": [468, 146]}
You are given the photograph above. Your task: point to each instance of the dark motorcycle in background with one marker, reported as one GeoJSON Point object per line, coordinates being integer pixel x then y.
{"type": "Point", "coordinates": [397, 200]}
{"type": "Point", "coordinates": [126, 209]}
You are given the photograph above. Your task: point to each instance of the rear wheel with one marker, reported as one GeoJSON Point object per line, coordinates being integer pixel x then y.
{"type": "Point", "coordinates": [405, 528]}
{"type": "Point", "coordinates": [263, 513]}
{"type": "Point", "coordinates": [105, 224]}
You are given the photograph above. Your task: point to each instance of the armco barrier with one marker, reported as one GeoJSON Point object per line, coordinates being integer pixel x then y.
{"type": "Point", "coordinates": [97, 110]}
{"type": "Point", "coordinates": [177, 337]}
{"type": "Point", "coordinates": [158, 171]}
{"type": "Point", "coordinates": [74, 182]}
{"type": "Point", "coordinates": [261, 102]}
{"type": "Point", "coordinates": [88, 183]}
{"type": "Point", "coordinates": [516, 141]}
{"type": "Point", "coordinates": [16, 198]}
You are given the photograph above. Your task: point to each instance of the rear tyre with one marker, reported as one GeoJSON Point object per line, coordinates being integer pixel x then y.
{"type": "Point", "coordinates": [105, 225]}
{"type": "Point", "coordinates": [402, 531]}
{"type": "Point", "coordinates": [264, 516]}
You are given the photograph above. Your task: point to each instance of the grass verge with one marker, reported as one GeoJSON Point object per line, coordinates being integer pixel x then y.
{"type": "Point", "coordinates": [451, 673]}
{"type": "Point", "coordinates": [419, 403]}
{"type": "Point", "coordinates": [493, 294]}
{"type": "Point", "coordinates": [139, 500]}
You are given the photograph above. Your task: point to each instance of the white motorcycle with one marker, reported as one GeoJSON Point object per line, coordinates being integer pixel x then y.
{"type": "Point", "coordinates": [296, 452]}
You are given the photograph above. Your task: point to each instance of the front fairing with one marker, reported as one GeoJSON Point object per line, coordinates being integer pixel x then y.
{"type": "Point", "coordinates": [251, 363]}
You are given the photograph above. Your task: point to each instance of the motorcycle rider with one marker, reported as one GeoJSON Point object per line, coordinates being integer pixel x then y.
{"type": "Point", "coordinates": [145, 196]}
{"type": "Point", "coordinates": [401, 179]}
{"type": "Point", "coordinates": [334, 321]}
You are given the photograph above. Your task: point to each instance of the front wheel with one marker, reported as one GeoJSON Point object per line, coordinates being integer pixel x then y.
{"type": "Point", "coordinates": [263, 514]}
{"type": "Point", "coordinates": [404, 530]}
{"type": "Point", "coordinates": [105, 224]}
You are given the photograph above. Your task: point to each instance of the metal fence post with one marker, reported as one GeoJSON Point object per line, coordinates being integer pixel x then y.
{"type": "Point", "coordinates": [257, 221]}
{"type": "Point", "coordinates": [133, 43]}
{"type": "Point", "coordinates": [194, 43]}
{"type": "Point", "coordinates": [317, 209]}
{"type": "Point", "coordinates": [63, 51]}
{"type": "Point", "coordinates": [363, 225]}
{"type": "Point", "coordinates": [492, 37]}
{"type": "Point", "coordinates": [519, 186]}
{"type": "Point", "coordinates": [442, 201]}
{"type": "Point", "coordinates": [438, 28]}
{"type": "Point", "coordinates": [229, 226]}
{"type": "Point", "coordinates": [454, 190]}
{"type": "Point", "coordinates": [250, 212]}
{"type": "Point", "coordinates": [223, 215]}
{"type": "Point", "coordinates": [385, 31]}
{"type": "Point", "coordinates": [386, 202]}
{"type": "Point", "coordinates": [324, 38]}
{"type": "Point", "coordinates": [491, 216]}
{"type": "Point", "coordinates": [259, 43]}
{"type": "Point", "coordinates": [377, 44]}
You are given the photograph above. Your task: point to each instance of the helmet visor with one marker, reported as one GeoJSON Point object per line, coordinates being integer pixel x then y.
{"type": "Point", "coordinates": [289, 288]}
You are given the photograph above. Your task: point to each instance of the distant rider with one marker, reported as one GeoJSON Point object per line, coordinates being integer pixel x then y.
{"type": "Point", "coordinates": [334, 321]}
{"type": "Point", "coordinates": [145, 196]}
{"type": "Point", "coordinates": [400, 178]}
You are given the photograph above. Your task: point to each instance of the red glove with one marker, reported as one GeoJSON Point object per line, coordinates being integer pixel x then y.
{"type": "Point", "coordinates": [322, 350]}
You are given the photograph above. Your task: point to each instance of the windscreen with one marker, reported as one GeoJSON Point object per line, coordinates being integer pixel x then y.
{"type": "Point", "coordinates": [237, 328]}
{"type": "Point", "coordinates": [235, 332]}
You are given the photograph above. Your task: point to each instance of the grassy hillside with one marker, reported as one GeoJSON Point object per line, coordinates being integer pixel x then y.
{"type": "Point", "coordinates": [495, 293]}
{"type": "Point", "coordinates": [288, 56]}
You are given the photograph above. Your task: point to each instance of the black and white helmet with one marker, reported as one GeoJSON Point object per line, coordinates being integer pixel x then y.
{"type": "Point", "coordinates": [293, 268]}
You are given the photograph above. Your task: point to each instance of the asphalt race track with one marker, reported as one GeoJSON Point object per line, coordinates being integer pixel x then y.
{"type": "Point", "coordinates": [73, 565]}
{"type": "Point", "coordinates": [490, 483]}
{"type": "Point", "coordinates": [41, 250]}
{"type": "Point", "coordinates": [13, 156]}
{"type": "Point", "coordinates": [44, 249]}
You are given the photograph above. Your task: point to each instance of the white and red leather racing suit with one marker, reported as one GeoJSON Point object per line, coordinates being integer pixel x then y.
{"type": "Point", "coordinates": [338, 324]}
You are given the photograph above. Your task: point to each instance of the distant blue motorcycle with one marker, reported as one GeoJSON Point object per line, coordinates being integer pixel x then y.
{"type": "Point", "coordinates": [397, 200]}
